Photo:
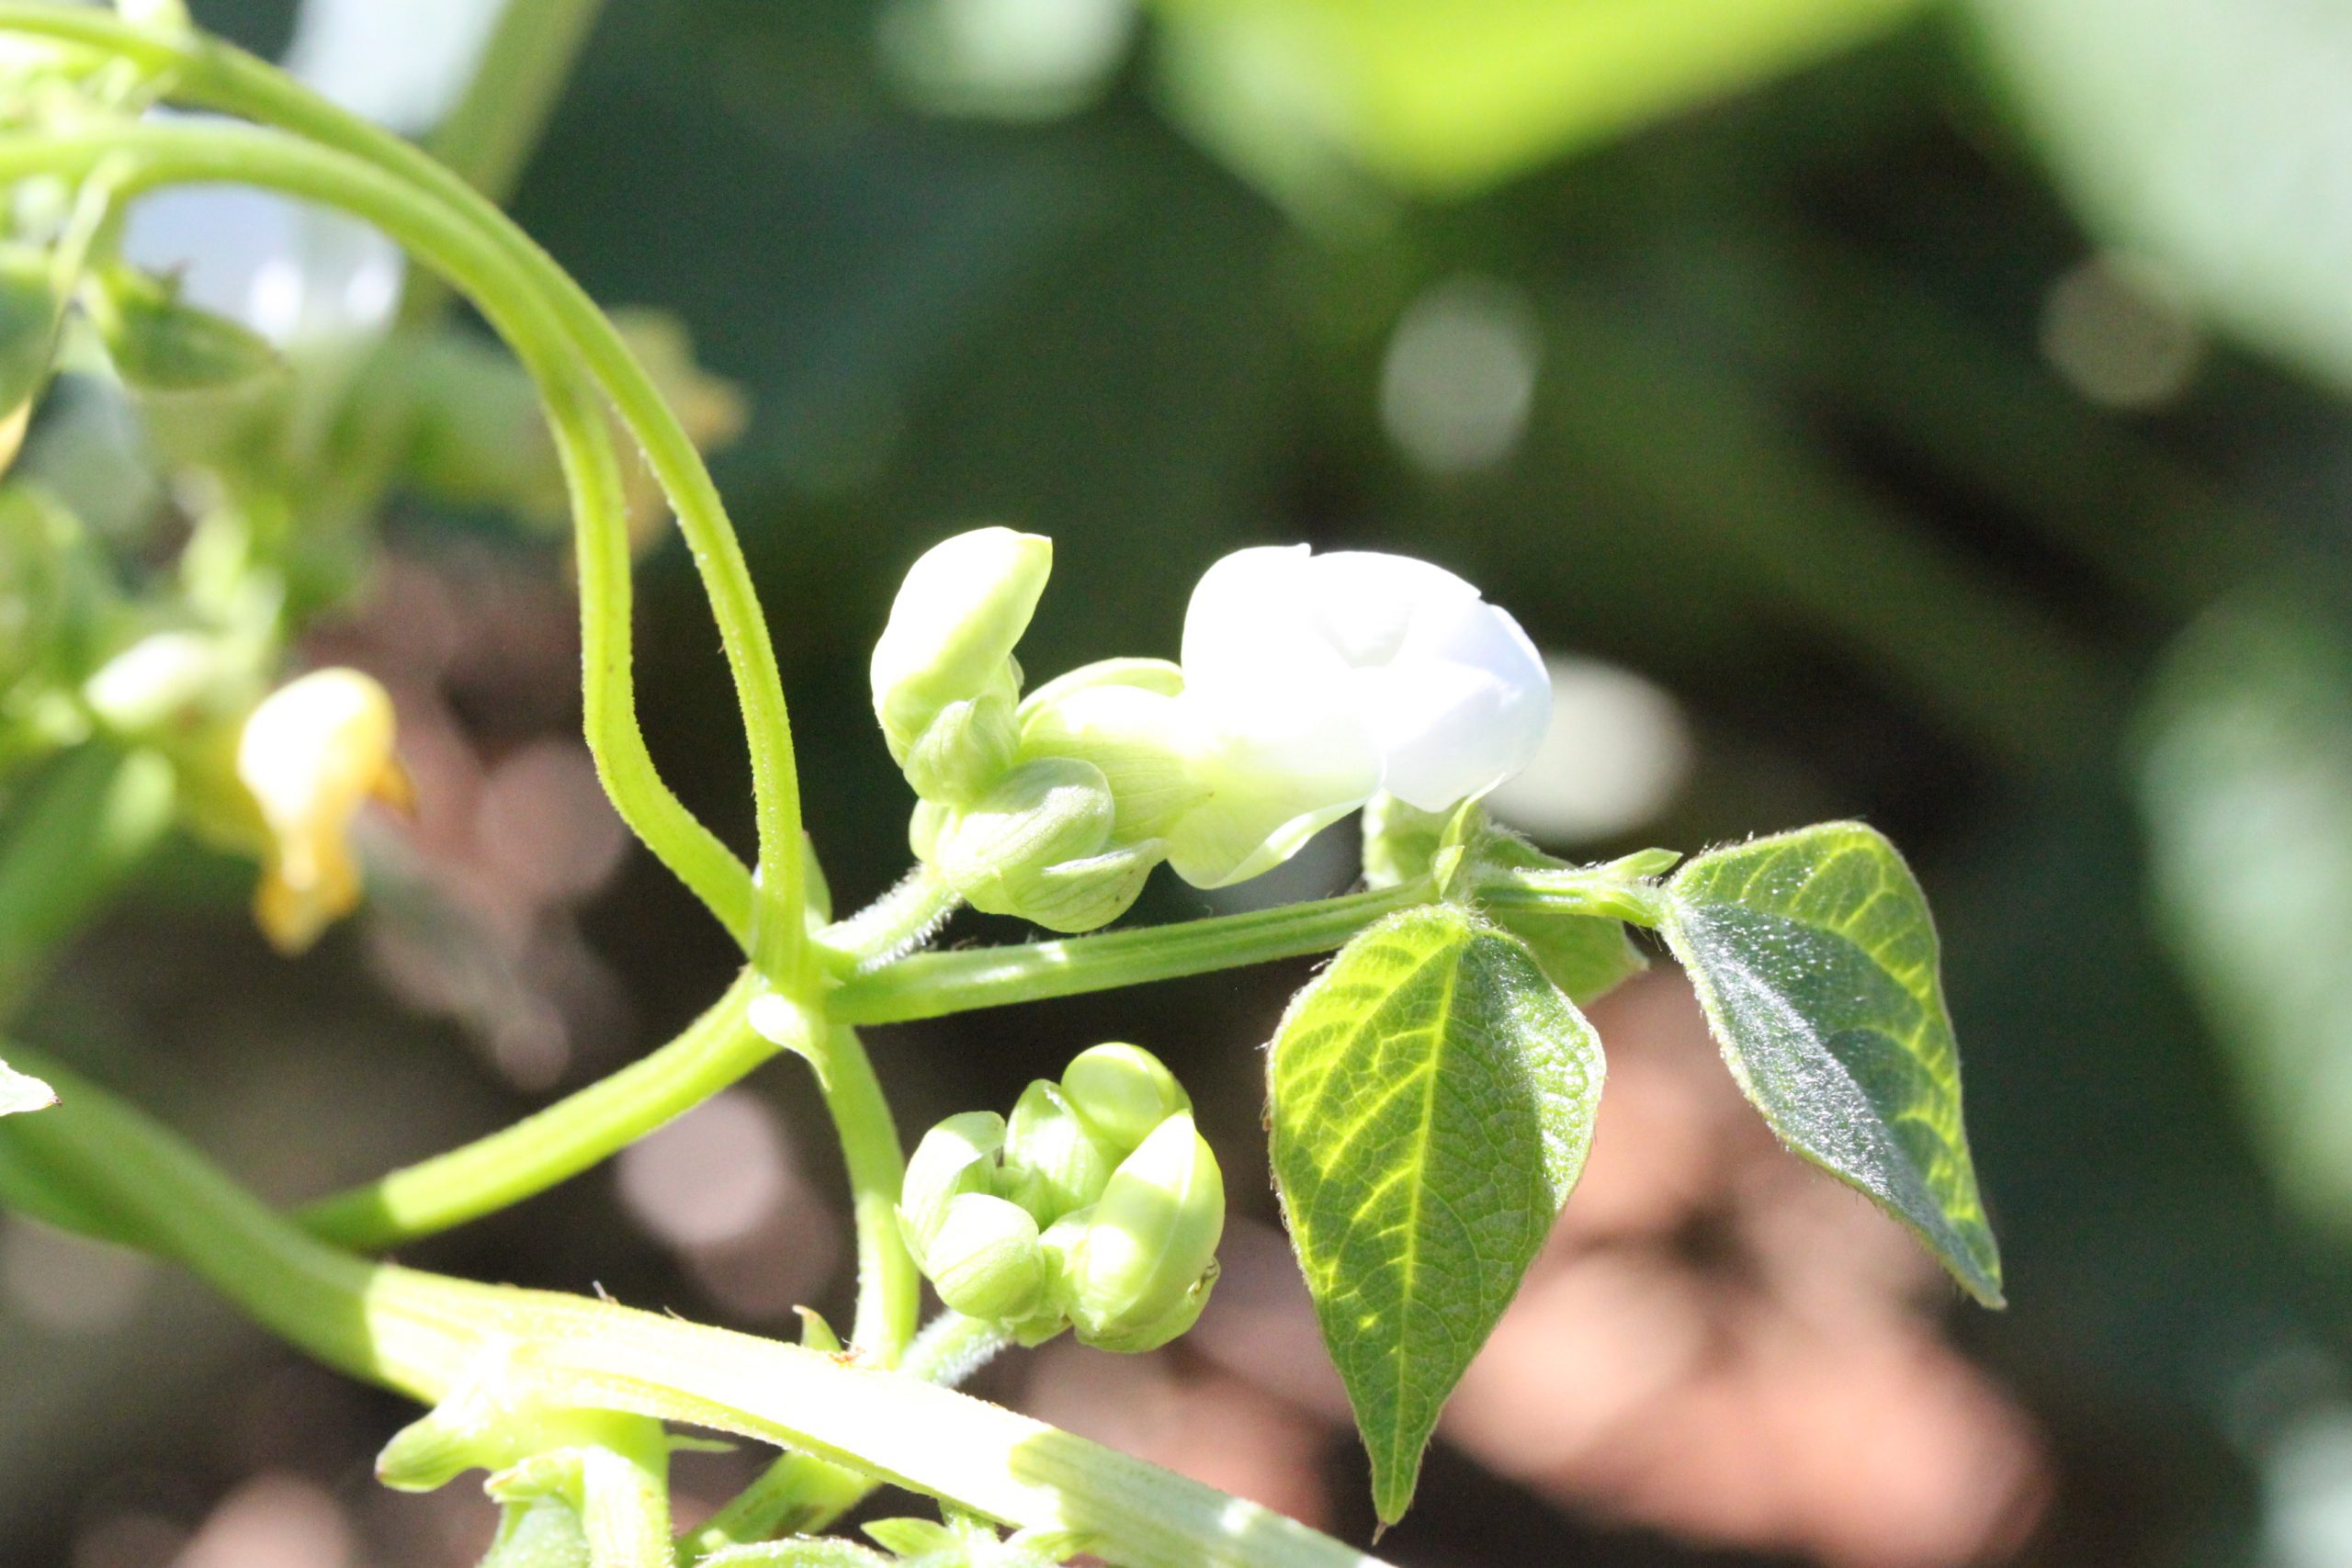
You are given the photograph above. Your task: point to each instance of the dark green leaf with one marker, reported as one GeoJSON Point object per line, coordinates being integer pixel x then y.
{"type": "Point", "coordinates": [1433, 1100]}
{"type": "Point", "coordinates": [1815, 956]}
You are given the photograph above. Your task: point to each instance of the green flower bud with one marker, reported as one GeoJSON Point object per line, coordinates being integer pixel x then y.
{"type": "Point", "coordinates": [984, 1260]}
{"type": "Point", "coordinates": [957, 1158]}
{"type": "Point", "coordinates": [1123, 1092]}
{"type": "Point", "coordinates": [1053, 1161]}
{"type": "Point", "coordinates": [996, 852]}
{"type": "Point", "coordinates": [1062, 1244]}
{"type": "Point", "coordinates": [953, 626]}
{"type": "Point", "coordinates": [1143, 1271]}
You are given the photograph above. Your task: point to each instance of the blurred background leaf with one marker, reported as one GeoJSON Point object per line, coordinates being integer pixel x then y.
{"type": "Point", "coordinates": [2246, 783]}
{"type": "Point", "coordinates": [1447, 100]}
{"type": "Point", "coordinates": [2211, 136]}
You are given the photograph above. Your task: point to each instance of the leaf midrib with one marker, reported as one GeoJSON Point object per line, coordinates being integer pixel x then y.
{"type": "Point", "coordinates": [1411, 1262]}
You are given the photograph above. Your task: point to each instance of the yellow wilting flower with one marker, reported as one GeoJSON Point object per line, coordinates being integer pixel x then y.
{"type": "Point", "coordinates": [313, 753]}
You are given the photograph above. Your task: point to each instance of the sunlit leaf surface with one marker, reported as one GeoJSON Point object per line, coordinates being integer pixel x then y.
{"type": "Point", "coordinates": [1815, 959]}
{"type": "Point", "coordinates": [1433, 1100]}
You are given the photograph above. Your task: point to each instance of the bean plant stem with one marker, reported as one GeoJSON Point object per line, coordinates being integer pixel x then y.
{"type": "Point", "coordinates": [422, 1334]}
{"type": "Point", "coordinates": [533, 1155]}
{"type": "Point", "coordinates": [889, 1293]}
{"type": "Point", "coordinates": [931, 984]}
{"type": "Point", "coordinates": [567, 1137]}
{"type": "Point", "coordinates": [799, 1494]}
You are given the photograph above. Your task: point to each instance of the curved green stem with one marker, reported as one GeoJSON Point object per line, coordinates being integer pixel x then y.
{"type": "Point", "coordinates": [932, 984]}
{"type": "Point", "coordinates": [422, 1333]}
{"type": "Point", "coordinates": [558, 1142]}
{"type": "Point", "coordinates": [889, 1291]}
{"type": "Point", "coordinates": [901, 919]}
{"type": "Point", "coordinates": [207, 74]}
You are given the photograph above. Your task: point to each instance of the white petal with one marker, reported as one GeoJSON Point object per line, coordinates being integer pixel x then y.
{"type": "Point", "coordinates": [1366, 604]}
{"type": "Point", "coordinates": [1462, 707]}
{"type": "Point", "coordinates": [1250, 635]}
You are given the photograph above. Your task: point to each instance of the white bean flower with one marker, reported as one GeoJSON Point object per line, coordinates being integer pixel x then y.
{"type": "Point", "coordinates": [1313, 682]}
{"type": "Point", "coordinates": [1309, 685]}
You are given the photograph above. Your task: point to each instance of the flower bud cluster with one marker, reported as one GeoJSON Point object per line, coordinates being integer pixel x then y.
{"type": "Point", "coordinates": [1310, 684]}
{"type": "Point", "coordinates": [1096, 1206]}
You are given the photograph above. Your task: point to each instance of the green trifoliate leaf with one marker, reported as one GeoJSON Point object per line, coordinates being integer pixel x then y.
{"type": "Point", "coordinates": [21, 1092]}
{"type": "Point", "coordinates": [1815, 959]}
{"type": "Point", "coordinates": [1433, 1100]}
